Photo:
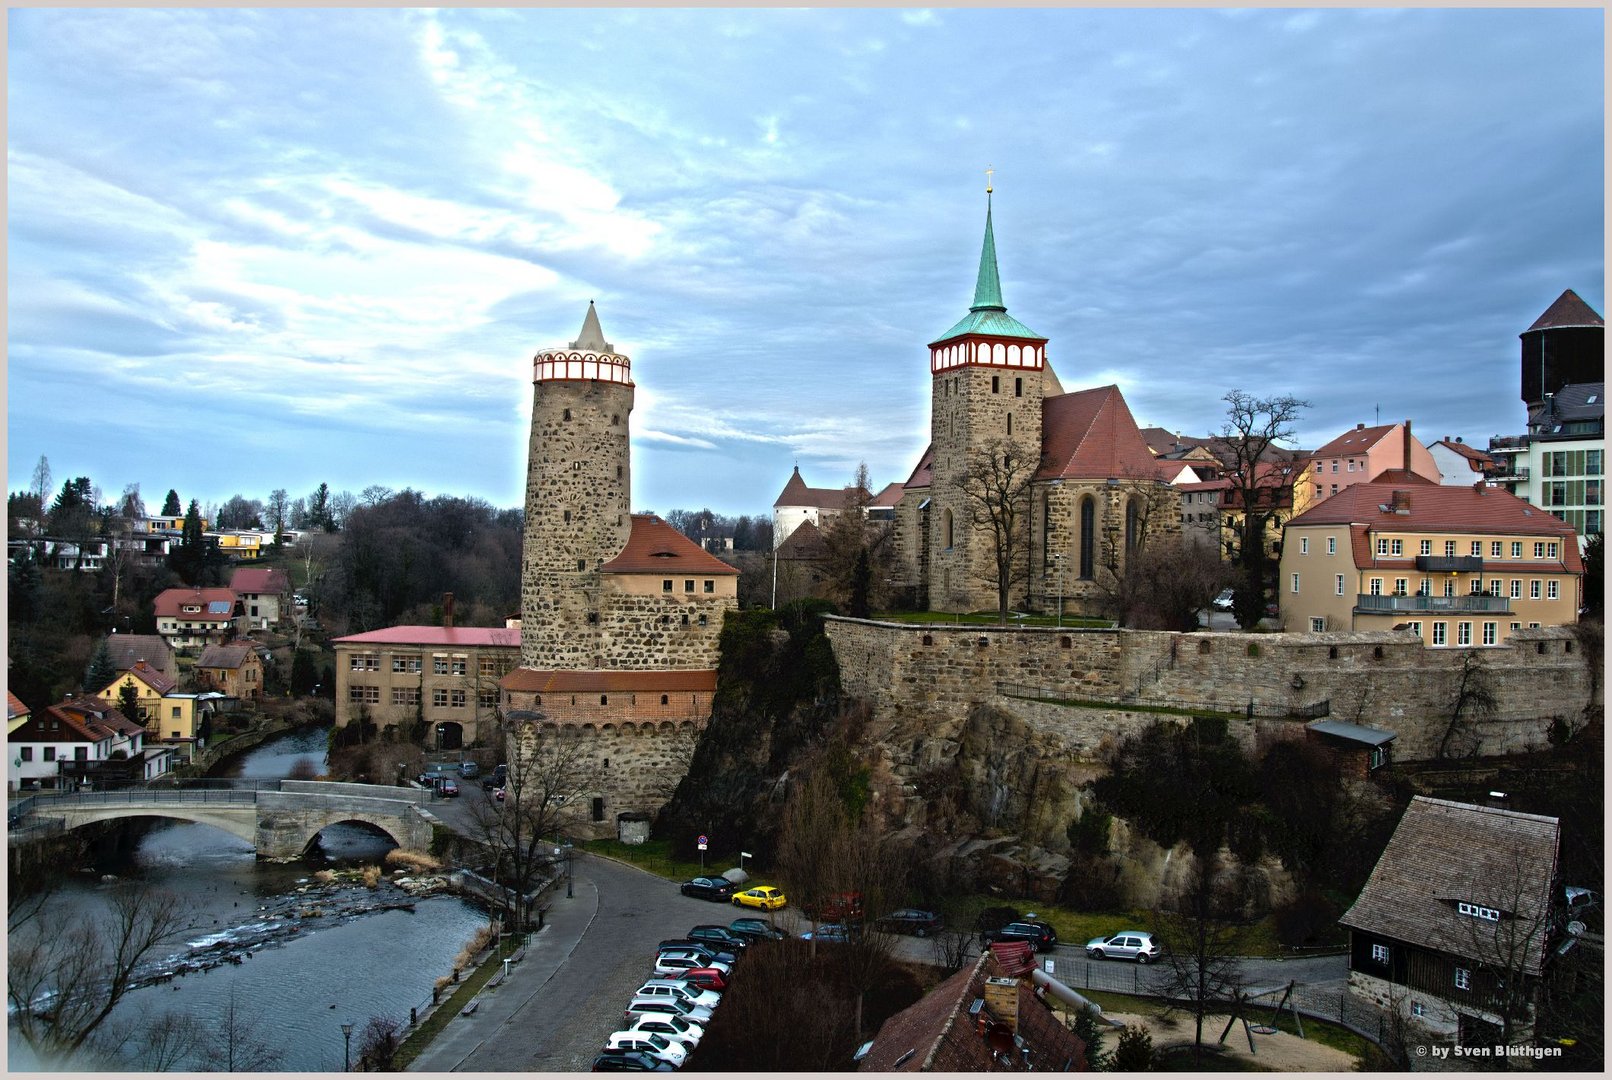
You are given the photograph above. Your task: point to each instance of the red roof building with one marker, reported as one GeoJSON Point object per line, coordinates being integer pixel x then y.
{"type": "Point", "coordinates": [1460, 566]}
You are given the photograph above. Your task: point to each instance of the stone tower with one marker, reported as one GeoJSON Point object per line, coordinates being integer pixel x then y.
{"type": "Point", "coordinates": [578, 487]}
{"type": "Point", "coordinates": [987, 384]}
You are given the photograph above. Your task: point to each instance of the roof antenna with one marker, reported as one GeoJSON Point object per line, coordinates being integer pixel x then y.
{"type": "Point", "coordinates": [1379, 421]}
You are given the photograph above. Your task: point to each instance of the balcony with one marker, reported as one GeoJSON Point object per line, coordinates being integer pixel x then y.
{"type": "Point", "coordinates": [1450, 564]}
{"type": "Point", "coordinates": [1472, 604]}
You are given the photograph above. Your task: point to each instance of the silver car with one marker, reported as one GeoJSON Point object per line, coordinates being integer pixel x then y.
{"type": "Point", "coordinates": [1135, 945]}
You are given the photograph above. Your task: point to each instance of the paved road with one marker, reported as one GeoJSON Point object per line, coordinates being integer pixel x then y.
{"type": "Point", "coordinates": [568, 995]}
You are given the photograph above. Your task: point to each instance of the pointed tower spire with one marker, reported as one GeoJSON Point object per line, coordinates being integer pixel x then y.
{"type": "Point", "coordinates": [988, 287]}
{"type": "Point", "coordinates": [591, 337]}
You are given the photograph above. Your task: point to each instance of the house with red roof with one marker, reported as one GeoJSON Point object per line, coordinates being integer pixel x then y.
{"type": "Point", "coordinates": [150, 686]}
{"type": "Point", "coordinates": [446, 676]}
{"type": "Point", "coordinates": [1459, 463]}
{"type": "Point", "coordinates": [16, 712]}
{"type": "Point", "coordinates": [234, 670]}
{"type": "Point", "coordinates": [1000, 416]}
{"type": "Point", "coordinates": [1360, 456]}
{"type": "Point", "coordinates": [81, 741]}
{"type": "Point", "coordinates": [1461, 567]}
{"type": "Point", "coordinates": [265, 593]}
{"type": "Point", "coordinates": [193, 618]}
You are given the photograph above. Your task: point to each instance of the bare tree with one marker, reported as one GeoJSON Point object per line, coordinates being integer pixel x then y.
{"type": "Point", "coordinates": [1261, 483]}
{"type": "Point", "coordinates": [238, 1043]}
{"type": "Point", "coordinates": [951, 949]}
{"type": "Point", "coordinates": [548, 776]}
{"type": "Point", "coordinates": [815, 823]}
{"type": "Point", "coordinates": [1140, 546]}
{"type": "Point", "coordinates": [378, 1043]}
{"type": "Point", "coordinates": [1201, 947]}
{"type": "Point", "coordinates": [1472, 701]}
{"type": "Point", "coordinates": [65, 974]}
{"type": "Point", "coordinates": [1507, 936]}
{"type": "Point", "coordinates": [995, 483]}
{"type": "Point", "coordinates": [162, 1044]}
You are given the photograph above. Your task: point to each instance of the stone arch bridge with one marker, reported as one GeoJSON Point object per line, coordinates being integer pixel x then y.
{"type": "Point", "coordinates": [279, 821]}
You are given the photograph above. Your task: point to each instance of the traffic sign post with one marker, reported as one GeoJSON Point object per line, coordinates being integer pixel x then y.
{"type": "Point", "coordinates": [705, 841]}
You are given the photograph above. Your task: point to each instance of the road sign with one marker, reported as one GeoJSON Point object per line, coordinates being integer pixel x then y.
{"type": "Point", "coordinates": [704, 841]}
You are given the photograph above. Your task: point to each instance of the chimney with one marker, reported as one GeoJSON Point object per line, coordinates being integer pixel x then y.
{"type": "Point", "coordinates": [1360, 427]}
{"type": "Point", "coordinates": [1002, 998]}
{"type": "Point", "coordinates": [447, 610]}
{"type": "Point", "coordinates": [1478, 487]}
{"type": "Point", "coordinates": [1399, 502]}
{"type": "Point", "coordinates": [1407, 446]}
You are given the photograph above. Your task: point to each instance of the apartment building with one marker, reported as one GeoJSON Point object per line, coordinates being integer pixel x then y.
{"type": "Point", "coordinates": [1462, 567]}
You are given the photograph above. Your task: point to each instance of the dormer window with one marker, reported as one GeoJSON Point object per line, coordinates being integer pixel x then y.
{"type": "Point", "coordinates": [1477, 911]}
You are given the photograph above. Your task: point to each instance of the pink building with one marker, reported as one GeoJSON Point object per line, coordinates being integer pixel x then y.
{"type": "Point", "coordinates": [1359, 457]}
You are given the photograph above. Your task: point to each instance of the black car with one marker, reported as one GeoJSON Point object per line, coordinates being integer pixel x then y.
{"type": "Point", "coordinates": [630, 1061]}
{"type": "Point", "coordinates": [1039, 935]}
{"type": "Point", "coordinates": [756, 930]}
{"type": "Point", "coordinates": [912, 921]}
{"type": "Point", "coordinates": [709, 888]}
{"type": "Point", "coordinates": [720, 937]}
{"type": "Point", "coordinates": [710, 949]}
{"type": "Point", "coordinates": [496, 778]}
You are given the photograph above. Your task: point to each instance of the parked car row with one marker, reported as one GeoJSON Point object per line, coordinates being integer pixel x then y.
{"type": "Point", "coordinates": [667, 1015]}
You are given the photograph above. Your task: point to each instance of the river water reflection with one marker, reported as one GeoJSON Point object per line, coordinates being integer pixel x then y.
{"type": "Point", "coordinates": [297, 963]}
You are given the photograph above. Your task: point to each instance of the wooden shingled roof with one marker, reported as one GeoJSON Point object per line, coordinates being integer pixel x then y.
{"type": "Point", "coordinates": [1445, 853]}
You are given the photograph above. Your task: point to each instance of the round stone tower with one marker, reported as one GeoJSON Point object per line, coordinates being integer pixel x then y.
{"type": "Point", "coordinates": [578, 489]}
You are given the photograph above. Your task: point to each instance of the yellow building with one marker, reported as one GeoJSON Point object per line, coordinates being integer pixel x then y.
{"type": "Point", "coordinates": [239, 545]}
{"type": "Point", "coordinates": [1460, 566]}
{"type": "Point", "coordinates": [150, 686]}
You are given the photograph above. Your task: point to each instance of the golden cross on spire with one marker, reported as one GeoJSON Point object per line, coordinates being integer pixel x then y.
{"type": "Point", "coordinates": [988, 171]}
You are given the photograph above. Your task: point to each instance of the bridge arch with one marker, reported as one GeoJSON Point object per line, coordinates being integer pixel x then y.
{"type": "Point", "coordinates": [238, 821]}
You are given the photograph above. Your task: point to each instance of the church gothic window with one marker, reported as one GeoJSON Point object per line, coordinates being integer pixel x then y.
{"type": "Point", "coordinates": [950, 536]}
{"type": "Point", "coordinates": [1133, 521]}
{"type": "Point", "coordinates": [1088, 538]}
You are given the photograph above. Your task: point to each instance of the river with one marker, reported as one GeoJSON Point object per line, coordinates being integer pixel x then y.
{"type": "Point", "coordinates": [298, 957]}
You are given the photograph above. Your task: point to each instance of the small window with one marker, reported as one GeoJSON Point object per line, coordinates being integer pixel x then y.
{"type": "Point", "coordinates": [1203, 648]}
{"type": "Point", "coordinates": [688, 585]}
{"type": "Point", "coordinates": [710, 586]}
{"type": "Point", "coordinates": [665, 699]}
{"type": "Point", "coordinates": [1463, 978]}
{"type": "Point", "coordinates": [1318, 624]}
{"type": "Point", "coordinates": [26, 753]}
{"type": "Point", "coordinates": [996, 384]}
{"type": "Point", "coordinates": [1425, 547]}
{"type": "Point", "coordinates": [1338, 584]}
{"type": "Point", "coordinates": [582, 564]}
{"type": "Point", "coordinates": [604, 699]}
{"type": "Point", "coordinates": [1304, 545]}
{"type": "Point", "coordinates": [1065, 642]}
{"type": "Point", "coordinates": [1495, 547]}
{"type": "Point", "coordinates": [1332, 545]}
{"type": "Point", "coordinates": [1379, 954]}
{"type": "Point", "coordinates": [666, 585]}
{"type": "Point", "coordinates": [1295, 583]}
{"type": "Point", "coordinates": [568, 517]}
{"type": "Point", "coordinates": [1018, 387]}
{"type": "Point", "coordinates": [567, 415]}
{"type": "Point", "coordinates": [1332, 652]}
{"type": "Point", "coordinates": [929, 639]}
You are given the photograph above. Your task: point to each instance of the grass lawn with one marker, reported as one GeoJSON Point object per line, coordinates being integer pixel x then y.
{"type": "Point", "coordinates": [1078, 927]}
{"type": "Point", "coordinates": [656, 857]}
{"type": "Point", "coordinates": [984, 618]}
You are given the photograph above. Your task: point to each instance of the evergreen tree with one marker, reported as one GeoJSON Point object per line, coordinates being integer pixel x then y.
{"type": "Point", "coordinates": [189, 559]}
{"type": "Point", "coordinates": [129, 702]}
{"type": "Point", "coordinates": [170, 505]}
{"type": "Point", "coordinates": [1090, 1031]}
{"type": "Point", "coordinates": [1134, 1052]}
{"type": "Point", "coordinates": [304, 673]}
{"type": "Point", "coordinates": [101, 670]}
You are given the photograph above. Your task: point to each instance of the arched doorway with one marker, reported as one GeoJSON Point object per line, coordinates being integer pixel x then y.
{"type": "Point", "coordinates": [450, 736]}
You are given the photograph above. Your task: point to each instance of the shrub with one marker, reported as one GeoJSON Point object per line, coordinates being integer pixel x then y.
{"type": "Point", "coordinates": [370, 876]}
{"type": "Point", "coordinates": [1134, 1052]}
{"type": "Point", "coordinates": [413, 861]}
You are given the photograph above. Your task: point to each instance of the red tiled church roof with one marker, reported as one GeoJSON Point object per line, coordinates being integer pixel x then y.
{"type": "Point", "coordinates": [1091, 435]}
{"type": "Point", "coordinates": [654, 547]}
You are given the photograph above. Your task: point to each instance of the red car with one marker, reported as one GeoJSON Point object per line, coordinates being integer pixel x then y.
{"type": "Point", "coordinates": [705, 978]}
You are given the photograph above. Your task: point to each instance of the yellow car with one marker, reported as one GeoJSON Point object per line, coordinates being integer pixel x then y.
{"type": "Point", "coordinates": [762, 896]}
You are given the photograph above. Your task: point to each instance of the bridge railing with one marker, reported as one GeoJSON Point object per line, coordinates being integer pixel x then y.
{"type": "Point", "coordinates": [46, 802]}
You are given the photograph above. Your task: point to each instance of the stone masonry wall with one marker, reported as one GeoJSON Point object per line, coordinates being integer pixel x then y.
{"type": "Point", "coordinates": [657, 633]}
{"type": "Point", "coordinates": [637, 754]}
{"type": "Point", "coordinates": [1387, 680]}
{"type": "Point", "coordinates": [578, 479]}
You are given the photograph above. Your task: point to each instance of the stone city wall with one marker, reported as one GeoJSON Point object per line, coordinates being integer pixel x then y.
{"type": "Point", "coordinates": [1387, 680]}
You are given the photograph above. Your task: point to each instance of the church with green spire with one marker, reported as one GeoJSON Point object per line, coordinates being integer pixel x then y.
{"type": "Point", "coordinates": [1026, 495]}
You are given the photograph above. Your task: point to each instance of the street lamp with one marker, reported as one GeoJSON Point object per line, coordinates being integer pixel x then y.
{"type": "Point", "coordinates": [1058, 558]}
{"type": "Point", "coordinates": [568, 854]}
{"type": "Point", "coordinates": [347, 1048]}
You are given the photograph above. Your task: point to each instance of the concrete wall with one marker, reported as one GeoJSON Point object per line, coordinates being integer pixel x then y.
{"type": "Point", "coordinates": [934, 673]}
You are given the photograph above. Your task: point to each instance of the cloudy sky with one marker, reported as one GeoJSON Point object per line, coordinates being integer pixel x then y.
{"type": "Point", "coordinates": [258, 249]}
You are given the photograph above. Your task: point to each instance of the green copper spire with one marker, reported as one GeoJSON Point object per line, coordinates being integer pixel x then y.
{"type": "Point", "coordinates": [988, 315]}
{"type": "Point", "coordinates": [988, 289]}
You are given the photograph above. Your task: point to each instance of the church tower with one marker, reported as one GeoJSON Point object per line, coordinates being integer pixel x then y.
{"type": "Point", "coordinates": [987, 378]}
{"type": "Point", "coordinates": [578, 490]}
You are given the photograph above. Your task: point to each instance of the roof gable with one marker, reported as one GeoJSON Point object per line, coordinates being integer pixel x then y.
{"type": "Point", "coordinates": [445, 636]}
{"type": "Point", "coordinates": [1358, 441]}
{"type": "Point", "coordinates": [1090, 434]}
{"type": "Point", "coordinates": [250, 579]}
{"type": "Point", "coordinates": [217, 605]}
{"type": "Point", "coordinates": [231, 657]}
{"type": "Point", "coordinates": [1445, 853]}
{"type": "Point", "coordinates": [654, 547]}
